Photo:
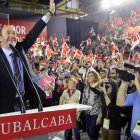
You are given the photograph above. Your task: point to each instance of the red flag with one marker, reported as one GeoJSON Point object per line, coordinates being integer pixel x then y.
{"type": "Point", "coordinates": [62, 39]}
{"type": "Point", "coordinates": [55, 38]}
{"type": "Point", "coordinates": [103, 41]}
{"type": "Point", "coordinates": [82, 48]}
{"type": "Point", "coordinates": [72, 54]}
{"type": "Point", "coordinates": [65, 51]}
{"type": "Point", "coordinates": [137, 29]}
{"type": "Point", "coordinates": [56, 51]}
{"type": "Point", "coordinates": [90, 53]}
{"type": "Point", "coordinates": [120, 21]}
{"type": "Point", "coordinates": [64, 45]}
{"type": "Point", "coordinates": [113, 47]}
{"type": "Point", "coordinates": [122, 50]}
{"type": "Point", "coordinates": [136, 56]}
{"type": "Point", "coordinates": [114, 21]}
{"type": "Point", "coordinates": [89, 59]}
{"type": "Point", "coordinates": [45, 63]}
{"type": "Point", "coordinates": [107, 23]}
{"type": "Point", "coordinates": [55, 65]}
{"type": "Point", "coordinates": [88, 41]}
{"type": "Point", "coordinates": [49, 39]}
{"type": "Point", "coordinates": [62, 61]}
{"type": "Point", "coordinates": [67, 39]}
{"type": "Point", "coordinates": [78, 54]}
{"type": "Point", "coordinates": [96, 52]}
{"type": "Point", "coordinates": [135, 40]}
{"type": "Point", "coordinates": [48, 51]}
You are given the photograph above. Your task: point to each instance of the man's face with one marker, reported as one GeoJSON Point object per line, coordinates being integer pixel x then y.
{"type": "Point", "coordinates": [55, 77]}
{"type": "Point", "coordinates": [99, 63]}
{"type": "Point", "coordinates": [45, 74]}
{"type": "Point", "coordinates": [113, 74]}
{"type": "Point", "coordinates": [8, 37]}
{"type": "Point", "coordinates": [88, 65]}
{"type": "Point", "coordinates": [103, 75]}
{"type": "Point", "coordinates": [62, 75]}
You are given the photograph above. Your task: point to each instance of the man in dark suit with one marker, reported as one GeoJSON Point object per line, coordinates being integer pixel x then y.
{"type": "Point", "coordinates": [8, 93]}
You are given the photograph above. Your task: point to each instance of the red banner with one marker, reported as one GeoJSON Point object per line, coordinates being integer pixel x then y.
{"type": "Point", "coordinates": [26, 125]}
{"type": "Point", "coordinates": [22, 28]}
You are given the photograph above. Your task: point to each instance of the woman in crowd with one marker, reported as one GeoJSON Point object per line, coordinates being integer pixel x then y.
{"type": "Point", "coordinates": [110, 112]}
{"type": "Point", "coordinates": [91, 97]}
{"type": "Point", "coordinates": [74, 68]}
{"type": "Point", "coordinates": [72, 95]}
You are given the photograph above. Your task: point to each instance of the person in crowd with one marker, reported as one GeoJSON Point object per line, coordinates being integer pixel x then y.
{"type": "Point", "coordinates": [85, 69]}
{"type": "Point", "coordinates": [103, 73]}
{"type": "Point", "coordinates": [56, 96]}
{"type": "Point", "coordinates": [74, 68]}
{"type": "Point", "coordinates": [114, 74]}
{"type": "Point", "coordinates": [71, 95]}
{"type": "Point", "coordinates": [48, 85]}
{"type": "Point", "coordinates": [61, 76]}
{"type": "Point", "coordinates": [92, 97]}
{"type": "Point", "coordinates": [132, 99]}
{"type": "Point", "coordinates": [10, 100]}
{"type": "Point", "coordinates": [59, 68]}
{"type": "Point", "coordinates": [63, 86]}
{"type": "Point", "coordinates": [66, 70]}
{"type": "Point", "coordinates": [39, 75]}
{"type": "Point", "coordinates": [111, 123]}
{"type": "Point", "coordinates": [99, 65]}
{"type": "Point", "coordinates": [50, 68]}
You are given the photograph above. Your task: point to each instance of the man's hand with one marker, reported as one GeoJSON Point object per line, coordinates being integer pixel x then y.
{"type": "Point", "coordinates": [52, 6]}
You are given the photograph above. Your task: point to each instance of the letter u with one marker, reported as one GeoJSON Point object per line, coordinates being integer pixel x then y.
{"type": "Point", "coordinates": [3, 132]}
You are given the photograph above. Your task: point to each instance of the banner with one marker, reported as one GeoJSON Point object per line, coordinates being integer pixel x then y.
{"type": "Point", "coordinates": [26, 125]}
{"type": "Point", "coordinates": [22, 28]}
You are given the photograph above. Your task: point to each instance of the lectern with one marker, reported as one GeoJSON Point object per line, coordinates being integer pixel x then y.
{"type": "Point", "coordinates": [36, 125]}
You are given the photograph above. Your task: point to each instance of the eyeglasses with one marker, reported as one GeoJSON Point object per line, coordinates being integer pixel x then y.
{"type": "Point", "coordinates": [112, 73]}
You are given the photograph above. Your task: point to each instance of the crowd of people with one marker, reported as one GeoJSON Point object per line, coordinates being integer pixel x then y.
{"type": "Point", "coordinates": [71, 74]}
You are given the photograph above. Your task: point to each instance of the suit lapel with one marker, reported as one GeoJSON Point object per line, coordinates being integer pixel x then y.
{"type": "Point", "coordinates": [6, 61]}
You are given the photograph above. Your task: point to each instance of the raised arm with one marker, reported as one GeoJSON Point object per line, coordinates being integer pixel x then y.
{"type": "Point", "coordinates": [121, 95]}
{"type": "Point", "coordinates": [37, 29]}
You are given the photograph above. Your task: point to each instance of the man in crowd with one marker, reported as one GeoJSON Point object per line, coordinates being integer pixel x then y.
{"type": "Point", "coordinates": [103, 73]}
{"type": "Point", "coordinates": [131, 100]}
{"type": "Point", "coordinates": [14, 66]}
{"type": "Point", "coordinates": [39, 75]}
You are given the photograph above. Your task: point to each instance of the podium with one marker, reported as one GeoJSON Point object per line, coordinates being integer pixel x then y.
{"type": "Point", "coordinates": [36, 125]}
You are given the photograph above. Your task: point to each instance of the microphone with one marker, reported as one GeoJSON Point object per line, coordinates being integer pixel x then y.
{"type": "Point", "coordinates": [129, 66]}
{"type": "Point", "coordinates": [23, 110]}
{"type": "Point", "coordinates": [40, 108]}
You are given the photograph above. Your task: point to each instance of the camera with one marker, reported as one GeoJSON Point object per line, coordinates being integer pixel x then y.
{"type": "Point", "coordinates": [125, 74]}
{"type": "Point", "coordinates": [106, 84]}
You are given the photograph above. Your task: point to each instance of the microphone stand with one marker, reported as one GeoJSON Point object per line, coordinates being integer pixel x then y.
{"type": "Point", "coordinates": [40, 108]}
{"type": "Point", "coordinates": [23, 110]}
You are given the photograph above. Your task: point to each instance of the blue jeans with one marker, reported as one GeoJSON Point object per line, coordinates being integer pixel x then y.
{"type": "Point", "coordinates": [68, 133]}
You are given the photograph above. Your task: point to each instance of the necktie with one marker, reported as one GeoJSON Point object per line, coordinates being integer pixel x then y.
{"type": "Point", "coordinates": [17, 75]}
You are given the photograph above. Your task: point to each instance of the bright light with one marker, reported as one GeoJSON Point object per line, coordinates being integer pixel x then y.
{"type": "Point", "coordinates": [116, 2]}
{"type": "Point", "coordinates": [86, 15]}
{"type": "Point", "coordinates": [106, 4]}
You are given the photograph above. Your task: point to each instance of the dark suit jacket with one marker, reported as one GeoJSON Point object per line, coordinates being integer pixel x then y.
{"type": "Point", "coordinates": [7, 89]}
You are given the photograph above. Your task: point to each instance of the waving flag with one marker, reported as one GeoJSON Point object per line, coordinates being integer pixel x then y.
{"type": "Point", "coordinates": [65, 51]}
{"type": "Point", "coordinates": [113, 47]}
{"type": "Point", "coordinates": [45, 63]}
{"type": "Point", "coordinates": [107, 23]}
{"type": "Point", "coordinates": [122, 50]}
{"type": "Point", "coordinates": [88, 41]}
{"type": "Point", "coordinates": [96, 52]}
{"type": "Point", "coordinates": [103, 41]}
{"type": "Point", "coordinates": [135, 40]}
{"type": "Point", "coordinates": [55, 65]}
{"type": "Point", "coordinates": [136, 56]}
{"type": "Point", "coordinates": [78, 54]}
{"type": "Point", "coordinates": [48, 51]}
{"type": "Point", "coordinates": [67, 39]}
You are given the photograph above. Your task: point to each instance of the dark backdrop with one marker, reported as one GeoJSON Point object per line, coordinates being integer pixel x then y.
{"type": "Point", "coordinates": [78, 30]}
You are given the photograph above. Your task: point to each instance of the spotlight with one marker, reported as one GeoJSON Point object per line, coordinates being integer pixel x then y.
{"type": "Point", "coordinates": [106, 4]}
{"type": "Point", "coordinates": [77, 18]}
{"type": "Point", "coordinates": [116, 2]}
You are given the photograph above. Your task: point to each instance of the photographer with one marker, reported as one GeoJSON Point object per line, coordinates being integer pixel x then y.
{"type": "Point", "coordinates": [131, 100]}
{"type": "Point", "coordinates": [110, 112]}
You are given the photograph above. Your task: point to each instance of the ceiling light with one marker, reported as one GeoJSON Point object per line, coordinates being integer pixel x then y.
{"type": "Point", "coordinates": [106, 4]}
